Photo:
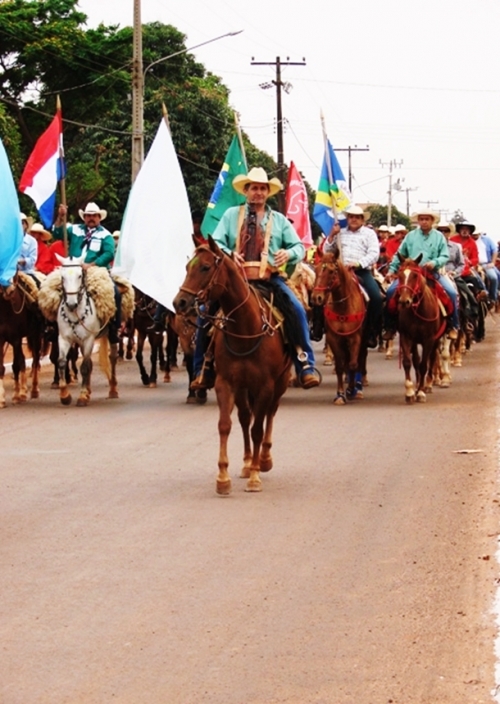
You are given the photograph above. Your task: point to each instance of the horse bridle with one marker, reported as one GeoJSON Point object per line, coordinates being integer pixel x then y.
{"type": "Point", "coordinates": [80, 291]}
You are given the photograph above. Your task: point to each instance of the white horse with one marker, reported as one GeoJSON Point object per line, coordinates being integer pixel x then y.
{"type": "Point", "coordinates": [79, 323]}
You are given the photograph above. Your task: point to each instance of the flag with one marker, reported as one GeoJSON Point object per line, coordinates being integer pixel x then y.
{"type": "Point", "coordinates": [333, 193]}
{"type": "Point", "coordinates": [44, 169]}
{"type": "Point", "coordinates": [297, 206]}
{"type": "Point", "coordinates": [11, 231]}
{"type": "Point", "coordinates": [155, 239]}
{"type": "Point", "coordinates": [224, 196]}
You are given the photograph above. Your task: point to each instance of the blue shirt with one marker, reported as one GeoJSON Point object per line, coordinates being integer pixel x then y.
{"type": "Point", "coordinates": [29, 252]}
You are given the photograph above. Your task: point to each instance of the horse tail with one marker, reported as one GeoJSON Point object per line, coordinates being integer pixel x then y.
{"type": "Point", "coordinates": [104, 362]}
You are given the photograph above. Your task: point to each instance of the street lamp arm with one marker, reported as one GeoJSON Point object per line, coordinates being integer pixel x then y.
{"type": "Point", "coordinates": [183, 51]}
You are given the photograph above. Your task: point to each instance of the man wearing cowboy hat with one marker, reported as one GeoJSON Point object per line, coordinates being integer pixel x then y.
{"type": "Point", "coordinates": [92, 241]}
{"type": "Point", "coordinates": [487, 253]}
{"type": "Point", "coordinates": [360, 251]}
{"type": "Point", "coordinates": [29, 249]}
{"type": "Point", "coordinates": [431, 243]}
{"type": "Point", "coordinates": [44, 261]}
{"type": "Point", "coordinates": [262, 240]}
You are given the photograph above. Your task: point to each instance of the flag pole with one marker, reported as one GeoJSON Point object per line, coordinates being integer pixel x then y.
{"type": "Point", "coordinates": [330, 179]}
{"type": "Point", "coordinates": [240, 139]}
{"type": "Point", "coordinates": [62, 183]}
{"type": "Point", "coordinates": [165, 116]}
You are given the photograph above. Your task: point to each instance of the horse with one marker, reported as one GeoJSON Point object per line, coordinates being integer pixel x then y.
{"type": "Point", "coordinates": [421, 322]}
{"type": "Point", "coordinates": [84, 303]}
{"type": "Point", "coordinates": [251, 360]}
{"type": "Point", "coordinates": [142, 322]}
{"type": "Point", "coordinates": [338, 290]}
{"type": "Point", "coordinates": [19, 319]}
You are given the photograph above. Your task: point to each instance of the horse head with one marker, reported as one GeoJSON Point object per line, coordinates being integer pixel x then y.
{"type": "Point", "coordinates": [72, 280]}
{"type": "Point", "coordinates": [411, 281]}
{"type": "Point", "coordinates": [327, 277]}
{"type": "Point", "coordinates": [202, 278]}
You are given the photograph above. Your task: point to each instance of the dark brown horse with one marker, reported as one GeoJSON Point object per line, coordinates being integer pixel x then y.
{"type": "Point", "coordinates": [338, 290]}
{"type": "Point", "coordinates": [143, 320]}
{"type": "Point", "coordinates": [251, 361]}
{"type": "Point", "coordinates": [20, 318]}
{"type": "Point", "coordinates": [421, 322]}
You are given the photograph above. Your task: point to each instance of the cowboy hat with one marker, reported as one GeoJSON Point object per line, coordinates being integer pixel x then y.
{"type": "Point", "coordinates": [116, 234]}
{"type": "Point", "coordinates": [467, 224]}
{"type": "Point", "coordinates": [93, 209]}
{"type": "Point", "coordinates": [427, 211]}
{"type": "Point", "coordinates": [354, 210]}
{"type": "Point", "coordinates": [40, 230]}
{"type": "Point", "coordinates": [443, 225]}
{"type": "Point", "coordinates": [400, 228]}
{"type": "Point", "coordinates": [383, 228]}
{"type": "Point", "coordinates": [256, 175]}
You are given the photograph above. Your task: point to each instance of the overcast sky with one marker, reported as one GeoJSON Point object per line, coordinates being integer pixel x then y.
{"type": "Point", "coordinates": [416, 81]}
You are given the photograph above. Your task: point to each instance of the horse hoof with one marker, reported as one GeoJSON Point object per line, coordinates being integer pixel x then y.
{"type": "Point", "coordinates": [328, 363]}
{"type": "Point", "coordinates": [388, 356]}
{"type": "Point", "coordinates": [66, 400]}
{"type": "Point", "coordinates": [145, 380]}
{"type": "Point", "coordinates": [427, 389]}
{"type": "Point", "coordinates": [201, 397]}
{"type": "Point", "coordinates": [152, 385]}
{"type": "Point", "coordinates": [266, 465]}
{"type": "Point", "coordinates": [421, 397]}
{"type": "Point", "coordinates": [359, 395]}
{"type": "Point", "coordinates": [129, 355]}
{"type": "Point", "coordinates": [245, 472]}
{"type": "Point", "coordinates": [113, 394]}
{"type": "Point", "coordinates": [223, 488]}
{"type": "Point", "coordinates": [3, 404]}
{"type": "Point", "coordinates": [35, 394]}
{"type": "Point", "coordinates": [339, 400]}
{"type": "Point", "coordinates": [365, 381]}
{"type": "Point", "coordinates": [82, 401]}
{"type": "Point", "coordinates": [166, 378]}
{"type": "Point", "coordinates": [54, 385]}
{"type": "Point", "coordinates": [254, 486]}
{"type": "Point", "coordinates": [192, 399]}
{"type": "Point", "coordinates": [410, 399]}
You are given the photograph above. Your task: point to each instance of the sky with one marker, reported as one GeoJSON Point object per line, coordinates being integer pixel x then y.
{"type": "Point", "coordinates": [416, 82]}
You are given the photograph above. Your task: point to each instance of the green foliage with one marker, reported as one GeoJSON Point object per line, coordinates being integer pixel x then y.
{"type": "Point", "coordinates": [378, 216]}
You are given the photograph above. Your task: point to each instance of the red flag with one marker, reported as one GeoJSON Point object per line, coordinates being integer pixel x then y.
{"type": "Point", "coordinates": [297, 206]}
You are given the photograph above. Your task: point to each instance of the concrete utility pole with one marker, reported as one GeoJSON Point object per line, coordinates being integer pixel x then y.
{"type": "Point", "coordinates": [428, 203]}
{"type": "Point", "coordinates": [350, 150]}
{"type": "Point", "coordinates": [137, 95]}
{"type": "Point", "coordinates": [408, 190]}
{"type": "Point", "coordinates": [392, 164]}
{"type": "Point", "coordinates": [279, 115]}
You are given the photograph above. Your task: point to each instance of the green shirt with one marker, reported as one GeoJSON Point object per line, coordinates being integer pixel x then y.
{"type": "Point", "coordinates": [433, 246]}
{"type": "Point", "coordinates": [101, 248]}
{"type": "Point", "coordinates": [283, 235]}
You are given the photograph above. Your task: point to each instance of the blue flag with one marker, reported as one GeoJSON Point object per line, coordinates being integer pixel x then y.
{"type": "Point", "coordinates": [11, 231]}
{"type": "Point", "coordinates": [333, 194]}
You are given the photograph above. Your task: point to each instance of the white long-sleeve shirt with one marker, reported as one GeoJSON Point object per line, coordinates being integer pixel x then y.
{"type": "Point", "coordinates": [360, 247]}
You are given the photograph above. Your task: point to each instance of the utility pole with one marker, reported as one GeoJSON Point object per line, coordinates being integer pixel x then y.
{"type": "Point", "coordinates": [408, 190]}
{"type": "Point", "coordinates": [392, 164]}
{"type": "Point", "coordinates": [428, 203]}
{"type": "Point", "coordinates": [350, 150]}
{"type": "Point", "coordinates": [279, 114]}
{"type": "Point", "coordinates": [137, 95]}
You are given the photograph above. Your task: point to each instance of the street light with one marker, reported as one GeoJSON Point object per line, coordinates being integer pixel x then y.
{"type": "Point", "coordinates": [138, 80]}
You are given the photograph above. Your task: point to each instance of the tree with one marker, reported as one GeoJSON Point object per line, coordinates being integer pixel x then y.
{"type": "Point", "coordinates": [378, 216]}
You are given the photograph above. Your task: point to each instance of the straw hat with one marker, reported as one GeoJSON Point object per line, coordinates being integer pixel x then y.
{"type": "Point", "coordinates": [93, 209]}
{"type": "Point", "coordinates": [400, 228]}
{"type": "Point", "coordinates": [383, 228]}
{"type": "Point", "coordinates": [427, 211]}
{"type": "Point", "coordinates": [116, 234]}
{"type": "Point", "coordinates": [256, 175]}
{"type": "Point", "coordinates": [443, 225]}
{"type": "Point", "coordinates": [38, 229]}
{"type": "Point", "coordinates": [354, 210]}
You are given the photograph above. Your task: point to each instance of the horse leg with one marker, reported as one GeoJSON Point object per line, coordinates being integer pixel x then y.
{"type": "Point", "coordinates": [154, 344]}
{"type": "Point", "coordinates": [225, 401]}
{"type": "Point", "coordinates": [389, 349]}
{"type": "Point", "coordinates": [244, 416]}
{"type": "Point", "coordinates": [266, 460]}
{"type": "Point", "coordinates": [445, 363]}
{"type": "Point", "coordinates": [86, 372]}
{"type": "Point", "coordinates": [139, 358]}
{"type": "Point", "coordinates": [406, 361]}
{"type": "Point", "coordinates": [19, 369]}
{"type": "Point", "coordinates": [2, 374]}
{"type": "Point", "coordinates": [421, 366]}
{"type": "Point", "coordinates": [336, 347]}
{"type": "Point", "coordinates": [261, 405]}
{"type": "Point", "coordinates": [113, 359]}
{"type": "Point", "coordinates": [167, 360]}
{"type": "Point", "coordinates": [63, 349]}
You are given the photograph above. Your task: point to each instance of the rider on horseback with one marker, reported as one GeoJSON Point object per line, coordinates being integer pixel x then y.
{"type": "Point", "coordinates": [360, 250]}
{"type": "Point", "coordinates": [261, 241]}
{"type": "Point", "coordinates": [427, 241]}
{"type": "Point", "coordinates": [94, 242]}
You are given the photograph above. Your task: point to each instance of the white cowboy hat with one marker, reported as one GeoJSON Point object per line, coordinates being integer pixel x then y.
{"type": "Point", "coordinates": [383, 228]}
{"type": "Point", "coordinates": [116, 234]}
{"type": "Point", "coordinates": [93, 209]}
{"type": "Point", "coordinates": [443, 225]}
{"type": "Point", "coordinates": [37, 228]}
{"type": "Point", "coordinates": [400, 228]}
{"type": "Point", "coordinates": [426, 211]}
{"type": "Point", "coordinates": [23, 217]}
{"type": "Point", "coordinates": [256, 175]}
{"type": "Point", "coordinates": [354, 210]}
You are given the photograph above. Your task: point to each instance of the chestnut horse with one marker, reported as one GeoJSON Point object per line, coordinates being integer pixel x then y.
{"type": "Point", "coordinates": [420, 322]}
{"type": "Point", "coordinates": [251, 360]}
{"type": "Point", "coordinates": [20, 318]}
{"type": "Point", "coordinates": [338, 290]}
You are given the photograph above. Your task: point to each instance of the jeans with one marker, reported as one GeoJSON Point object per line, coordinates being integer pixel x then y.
{"type": "Point", "coordinates": [491, 281]}
{"type": "Point", "coordinates": [375, 304]}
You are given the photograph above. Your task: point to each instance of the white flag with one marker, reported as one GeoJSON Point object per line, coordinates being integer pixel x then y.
{"type": "Point", "coordinates": [155, 240]}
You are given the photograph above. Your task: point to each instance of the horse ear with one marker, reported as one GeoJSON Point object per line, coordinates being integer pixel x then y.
{"type": "Point", "coordinates": [419, 258]}
{"type": "Point", "coordinates": [60, 259]}
{"type": "Point", "coordinates": [214, 246]}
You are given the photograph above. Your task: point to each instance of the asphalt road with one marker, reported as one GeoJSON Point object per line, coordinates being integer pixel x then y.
{"type": "Point", "coordinates": [363, 573]}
